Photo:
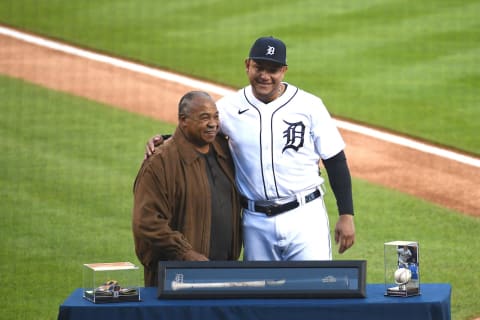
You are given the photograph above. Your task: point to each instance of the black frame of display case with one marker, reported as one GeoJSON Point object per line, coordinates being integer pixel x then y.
{"type": "Point", "coordinates": [224, 281]}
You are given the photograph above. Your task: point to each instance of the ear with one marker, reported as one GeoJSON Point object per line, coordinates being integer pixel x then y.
{"type": "Point", "coordinates": [182, 119]}
{"type": "Point", "coordinates": [247, 64]}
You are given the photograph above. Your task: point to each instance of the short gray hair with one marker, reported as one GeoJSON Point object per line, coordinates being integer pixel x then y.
{"type": "Point", "coordinates": [185, 103]}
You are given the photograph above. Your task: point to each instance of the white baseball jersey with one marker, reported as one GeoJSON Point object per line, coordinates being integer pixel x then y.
{"type": "Point", "coordinates": [277, 146]}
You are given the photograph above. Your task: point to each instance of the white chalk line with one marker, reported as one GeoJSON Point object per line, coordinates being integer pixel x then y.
{"type": "Point", "coordinates": [212, 88]}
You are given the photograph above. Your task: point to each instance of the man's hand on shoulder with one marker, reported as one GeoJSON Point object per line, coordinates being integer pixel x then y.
{"type": "Point", "coordinates": [152, 143]}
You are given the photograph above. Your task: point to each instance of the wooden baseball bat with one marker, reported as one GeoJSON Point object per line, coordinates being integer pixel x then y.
{"type": "Point", "coordinates": [176, 285]}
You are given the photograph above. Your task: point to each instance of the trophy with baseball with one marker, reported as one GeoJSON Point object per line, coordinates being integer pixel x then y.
{"type": "Point", "coordinates": [402, 277]}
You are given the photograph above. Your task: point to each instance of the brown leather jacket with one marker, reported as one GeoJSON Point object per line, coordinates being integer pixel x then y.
{"type": "Point", "coordinates": [172, 204]}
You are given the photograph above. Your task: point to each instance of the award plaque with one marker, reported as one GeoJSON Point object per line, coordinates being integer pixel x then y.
{"type": "Point", "coordinates": [402, 273]}
{"type": "Point", "coordinates": [110, 282]}
{"type": "Point", "coordinates": [262, 279]}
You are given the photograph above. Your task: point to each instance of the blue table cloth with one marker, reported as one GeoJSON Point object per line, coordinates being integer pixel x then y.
{"type": "Point", "coordinates": [432, 304]}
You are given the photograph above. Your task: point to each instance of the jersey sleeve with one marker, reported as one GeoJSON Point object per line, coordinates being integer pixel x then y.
{"type": "Point", "coordinates": [327, 139]}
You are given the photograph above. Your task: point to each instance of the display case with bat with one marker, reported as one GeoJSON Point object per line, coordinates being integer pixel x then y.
{"type": "Point", "coordinates": [262, 279]}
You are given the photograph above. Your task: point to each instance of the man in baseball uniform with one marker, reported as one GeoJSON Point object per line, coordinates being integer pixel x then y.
{"type": "Point", "coordinates": [404, 256]}
{"type": "Point", "coordinates": [277, 134]}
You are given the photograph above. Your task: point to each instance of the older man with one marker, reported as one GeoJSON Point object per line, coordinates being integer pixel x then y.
{"type": "Point", "coordinates": [186, 206]}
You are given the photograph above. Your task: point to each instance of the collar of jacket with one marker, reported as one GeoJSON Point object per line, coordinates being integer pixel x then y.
{"type": "Point", "coordinates": [187, 149]}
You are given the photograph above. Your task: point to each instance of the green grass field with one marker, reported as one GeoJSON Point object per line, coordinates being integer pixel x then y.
{"type": "Point", "coordinates": [66, 183]}
{"type": "Point", "coordinates": [68, 164]}
{"type": "Point", "coordinates": [68, 168]}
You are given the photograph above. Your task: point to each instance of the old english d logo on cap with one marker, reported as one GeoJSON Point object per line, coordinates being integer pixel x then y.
{"type": "Point", "coordinates": [270, 49]}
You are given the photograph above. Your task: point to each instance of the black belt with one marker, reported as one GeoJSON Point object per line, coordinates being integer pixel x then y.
{"type": "Point", "coordinates": [273, 209]}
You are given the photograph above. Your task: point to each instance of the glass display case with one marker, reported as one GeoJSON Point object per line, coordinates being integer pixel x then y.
{"type": "Point", "coordinates": [402, 272]}
{"type": "Point", "coordinates": [111, 282]}
{"type": "Point", "coordinates": [262, 279]}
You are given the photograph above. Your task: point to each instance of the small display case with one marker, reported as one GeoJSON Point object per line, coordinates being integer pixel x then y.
{"type": "Point", "coordinates": [402, 272]}
{"type": "Point", "coordinates": [111, 282]}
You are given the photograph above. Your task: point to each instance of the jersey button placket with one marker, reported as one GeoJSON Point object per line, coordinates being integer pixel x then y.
{"type": "Point", "coordinates": [266, 139]}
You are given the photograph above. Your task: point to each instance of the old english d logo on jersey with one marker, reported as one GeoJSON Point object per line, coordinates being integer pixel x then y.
{"type": "Point", "coordinates": [294, 135]}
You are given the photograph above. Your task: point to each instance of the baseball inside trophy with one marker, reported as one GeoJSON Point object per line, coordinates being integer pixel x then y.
{"type": "Point", "coordinates": [402, 273]}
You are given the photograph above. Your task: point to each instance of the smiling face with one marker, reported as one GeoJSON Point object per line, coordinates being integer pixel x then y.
{"type": "Point", "coordinates": [199, 121]}
{"type": "Point", "coordinates": [265, 78]}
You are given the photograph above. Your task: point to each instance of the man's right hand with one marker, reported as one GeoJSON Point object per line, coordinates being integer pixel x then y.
{"type": "Point", "coordinates": [192, 255]}
{"type": "Point", "coordinates": [153, 142]}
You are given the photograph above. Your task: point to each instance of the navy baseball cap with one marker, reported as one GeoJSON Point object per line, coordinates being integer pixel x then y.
{"type": "Point", "coordinates": [270, 49]}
